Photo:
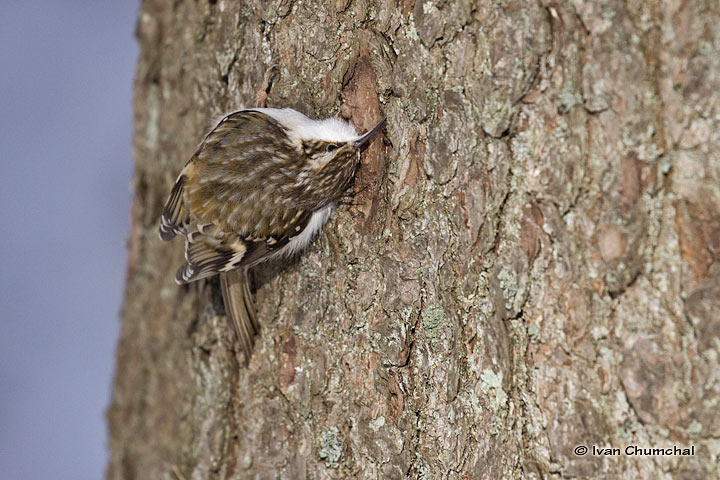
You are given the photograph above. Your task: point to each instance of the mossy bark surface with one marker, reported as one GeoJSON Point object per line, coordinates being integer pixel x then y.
{"type": "Point", "coordinates": [531, 262]}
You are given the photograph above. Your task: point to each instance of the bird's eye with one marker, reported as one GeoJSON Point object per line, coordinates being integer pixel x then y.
{"type": "Point", "coordinates": [331, 147]}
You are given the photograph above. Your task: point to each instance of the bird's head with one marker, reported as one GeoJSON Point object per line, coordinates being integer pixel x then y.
{"type": "Point", "coordinates": [337, 143]}
{"type": "Point", "coordinates": [332, 141]}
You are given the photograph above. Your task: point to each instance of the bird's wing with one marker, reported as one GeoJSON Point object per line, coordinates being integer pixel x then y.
{"type": "Point", "coordinates": [215, 252]}
{"type": "Point", "coordinates": [174, 219]}
{"type": "Point", "coordinates": [231, 179]}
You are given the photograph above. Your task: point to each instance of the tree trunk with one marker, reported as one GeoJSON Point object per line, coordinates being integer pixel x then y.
{"type": "Point", "coordinates": [531, 263]}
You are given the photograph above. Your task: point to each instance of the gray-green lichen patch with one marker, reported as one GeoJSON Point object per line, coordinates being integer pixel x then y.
{"type": "Point", "coordinates": [496, 113]}
{"type": "Point", "coordinates": [568, 98]}
{"type": "Point", "coordinates": [331, 447]}
{"type": "Point", "coordinates": [491, 381]}
{"type": "Point", "coordinates": [534, 334]}
{"type": "Point", "coordinates": [694, 429]}
{"type": "Point", "coordinates": [377, 423]}
{"type": "Point", "coordinates": [509, 285]}
{"type": "Point", "coordinates": [432, 317]}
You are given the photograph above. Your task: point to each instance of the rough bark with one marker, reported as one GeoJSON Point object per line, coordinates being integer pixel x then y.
{"type": "Point", "coordinates": [533, 262]}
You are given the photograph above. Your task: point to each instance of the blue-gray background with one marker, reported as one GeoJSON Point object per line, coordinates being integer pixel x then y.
{"type": "Point", "coordinates": [66, 71]}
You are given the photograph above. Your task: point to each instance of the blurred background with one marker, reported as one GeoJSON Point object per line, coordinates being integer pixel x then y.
{"type": "Point", "coordinates": [65, 168]}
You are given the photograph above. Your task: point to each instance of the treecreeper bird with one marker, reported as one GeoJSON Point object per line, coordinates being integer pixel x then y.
{"type": "Point", "coordinates": [261, 185]}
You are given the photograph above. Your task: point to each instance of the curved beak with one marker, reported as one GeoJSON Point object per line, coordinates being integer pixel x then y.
{"type": "Point", "coordinates": [365, 139]}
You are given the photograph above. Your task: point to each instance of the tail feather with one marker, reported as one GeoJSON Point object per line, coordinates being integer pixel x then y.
{"type": "Point", "coordinates": [240, 308]}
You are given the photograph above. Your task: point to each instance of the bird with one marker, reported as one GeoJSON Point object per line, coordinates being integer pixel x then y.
{"type": "Point", "coordinates": [261, 185]}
